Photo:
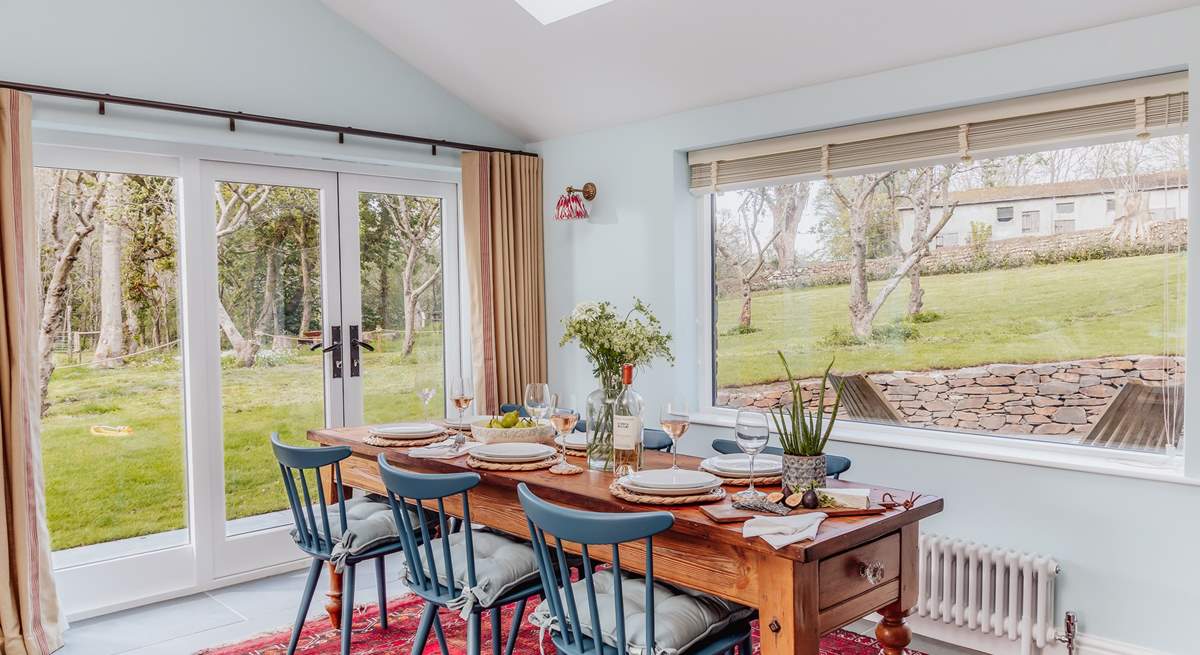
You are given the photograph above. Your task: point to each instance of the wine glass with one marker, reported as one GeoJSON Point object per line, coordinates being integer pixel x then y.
{"type": "Point", "coordinates": [673, 417]}
{"type": "Point", "coordinates": [752, 434]}
{"type": "Point", "coordinates": [426, 394]}
{"type": "Point", "coordinates": [563, 419]}
{"type": "Point", "coordinates": [462, 392]}
{"type": "Point", "coordinates": [537, 400]}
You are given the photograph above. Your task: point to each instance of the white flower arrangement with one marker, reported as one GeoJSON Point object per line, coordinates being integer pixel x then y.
{"type": "Point", "coordinates": [610, 341]}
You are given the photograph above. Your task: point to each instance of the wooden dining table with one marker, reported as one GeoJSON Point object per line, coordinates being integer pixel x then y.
{"type": "Point", "coordinates": [853, 567]}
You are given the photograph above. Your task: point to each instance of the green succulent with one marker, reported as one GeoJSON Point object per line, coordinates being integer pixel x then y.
{"type": "Point", "coordinates": [803, 432]}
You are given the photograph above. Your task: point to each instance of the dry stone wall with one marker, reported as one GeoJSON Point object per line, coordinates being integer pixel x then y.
{"type": "Point", "coordinates": [1062, 399]}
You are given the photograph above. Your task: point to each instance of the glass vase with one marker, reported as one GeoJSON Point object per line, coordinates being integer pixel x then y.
{"type": "Point", "coordinates": [600, 423]}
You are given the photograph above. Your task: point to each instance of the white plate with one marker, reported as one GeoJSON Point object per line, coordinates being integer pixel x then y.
{"type": "Point", "coordinates": [680, 479]}
{"type": "Point", "coordinates": [738, 464]}
{"type": "Point", "coordinates": [651, 491]}
{"type": "Point", "coordinates": [407, 430]}
{"type": "Point", "coordinates": [464, 425]}
{"type": "Point", "coordinates": [573, 442]}
{"type": "Point", "coordinates": [512, 452]}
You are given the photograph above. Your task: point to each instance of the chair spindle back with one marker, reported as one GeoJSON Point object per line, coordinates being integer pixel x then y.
{"type": "Point", "coordinates": [295, 463]}
{"type": "Point", "coordinates": [548, 522]}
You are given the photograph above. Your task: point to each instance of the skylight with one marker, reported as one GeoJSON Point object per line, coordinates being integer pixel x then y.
{"type": "Point", "coordinates": [548, 11]}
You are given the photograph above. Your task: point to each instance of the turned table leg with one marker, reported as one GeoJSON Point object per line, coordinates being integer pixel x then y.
{"type": "Point", "coordinates": [892, 632]}
{"type": "Point", "coordinates": [334, 606]}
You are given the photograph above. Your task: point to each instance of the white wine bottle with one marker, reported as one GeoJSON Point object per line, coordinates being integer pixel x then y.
{"type": "Point", "coordinates": [627, 426]}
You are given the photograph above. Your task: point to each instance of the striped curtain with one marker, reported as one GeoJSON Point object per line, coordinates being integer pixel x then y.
{"type": "Point", "coordinates": [30, 621]}
{"type": "Point", "coordinates": [502, 234]}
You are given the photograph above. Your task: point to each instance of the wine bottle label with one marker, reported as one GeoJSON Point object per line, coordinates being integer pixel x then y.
{"type": "Point", "coordinates": [627, 432]}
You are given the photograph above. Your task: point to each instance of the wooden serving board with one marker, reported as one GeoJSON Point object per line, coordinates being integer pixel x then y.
{"type": "Point", "coordinates": [727, 513]}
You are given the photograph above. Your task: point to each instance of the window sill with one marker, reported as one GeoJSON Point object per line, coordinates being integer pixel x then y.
{"type": "Point", "coordinates": [1101, 461]}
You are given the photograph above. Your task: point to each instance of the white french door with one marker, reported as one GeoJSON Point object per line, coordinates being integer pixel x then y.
{"type": "Point", "coordinates": [294, 286]}
{"type": "Point", "coordinates": [400, 284]}
{"type": "Point", "coordinates": [383, 253]}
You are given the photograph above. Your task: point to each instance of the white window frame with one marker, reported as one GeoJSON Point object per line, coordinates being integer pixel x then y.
{"type": "Point", "coordinates": [96, 587]}
{"type": "Point", "coordinates": [1183, 469]}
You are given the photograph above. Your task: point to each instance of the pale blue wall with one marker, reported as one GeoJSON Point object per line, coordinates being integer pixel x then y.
{"type": "Point", "coordinates": [291, 58]}
{"type": "Point", "coordinates": [1129, 548]}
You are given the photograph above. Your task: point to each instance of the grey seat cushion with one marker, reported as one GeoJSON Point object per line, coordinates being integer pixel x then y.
{"type": "Point", "coordinates": [501, 564]}
{"type": "Point", "coordinates": [369, 524]}
{"type": "Point", "coordinates": [682, 617]}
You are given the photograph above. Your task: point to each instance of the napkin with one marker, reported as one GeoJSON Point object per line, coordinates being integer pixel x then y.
{"type": "Point", "coordinates": [856, 498]}
{"type": "Point", "coordinates": [442, 450]}
{"type": "Point", "coordinates": [780, 531]}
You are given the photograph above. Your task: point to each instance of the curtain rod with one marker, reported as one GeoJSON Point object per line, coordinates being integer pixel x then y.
{"type": "Point", "coordinates": [233, 116]}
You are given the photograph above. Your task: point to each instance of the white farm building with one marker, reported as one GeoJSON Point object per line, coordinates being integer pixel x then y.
{"type": "Point", "coordinates": [1055, 208]}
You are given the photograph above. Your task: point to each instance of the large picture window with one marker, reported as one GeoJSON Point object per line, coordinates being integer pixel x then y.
{"type": "Point", "coordinates": [938, 311]}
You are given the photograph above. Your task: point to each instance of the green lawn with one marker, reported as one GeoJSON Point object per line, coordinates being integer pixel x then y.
{"type": "Point", "coordinates": [1042, 313]}
{"type": "Point", "coordinates": [104, 488]}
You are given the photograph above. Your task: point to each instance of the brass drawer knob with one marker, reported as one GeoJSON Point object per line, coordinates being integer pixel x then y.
{"type": "Point", "coordinates": [871, 571]}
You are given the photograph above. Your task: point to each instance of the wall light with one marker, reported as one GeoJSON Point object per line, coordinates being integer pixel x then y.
{"type": "Point", "coordinates": [570, 205]}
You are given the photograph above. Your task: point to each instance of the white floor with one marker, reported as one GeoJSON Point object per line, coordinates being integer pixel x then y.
{"type": "Point", "coordinates": [186, 625]}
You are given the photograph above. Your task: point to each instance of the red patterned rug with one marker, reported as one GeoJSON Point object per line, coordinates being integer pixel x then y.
{"type": "Point", "coordinates": [404, 614]}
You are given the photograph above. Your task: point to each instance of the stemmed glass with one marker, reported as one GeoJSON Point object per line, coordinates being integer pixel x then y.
{"type": "Point", "coordinates": [563, 419]}
{"type": "Point", "coordinates": [674, 419]}
{"type": "Point", "coordinates": [462, 392]}
{"type": "Point", "coordinates": [537, 400]}
{"type": "Point", "coordinates": [426, 394]}
{"type": "Point", "coordinates": [752, 433]}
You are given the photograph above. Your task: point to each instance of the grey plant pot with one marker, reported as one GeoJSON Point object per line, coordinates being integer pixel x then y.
{"type": "Point", "coordinates": [801, 471]}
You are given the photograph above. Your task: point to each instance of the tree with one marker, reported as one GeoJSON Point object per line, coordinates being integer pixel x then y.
{"type": "Point", "coordinates": [110, 346]}
{"type": "Point", "coordinates": [71, 204]}
{"type": "Point", "coordinates": [787, 203]}
{"type": "Point", "coordinates": [856, 198]}
{"type": "Point", "coordinates": [746, 253]}
{"type": "Point", "coordinates": [923, 189]}
{"type": "Point", "coordinates": [235, 204]}
{"type": "Point", "coordinates": [417, 223]}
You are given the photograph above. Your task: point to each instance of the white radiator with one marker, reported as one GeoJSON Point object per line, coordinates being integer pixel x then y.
{"type": "Point", "coordinates": [988, 590]}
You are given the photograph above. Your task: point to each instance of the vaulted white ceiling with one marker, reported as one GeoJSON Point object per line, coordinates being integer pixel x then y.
{"type": "Point", "coordinates": [633, 59]}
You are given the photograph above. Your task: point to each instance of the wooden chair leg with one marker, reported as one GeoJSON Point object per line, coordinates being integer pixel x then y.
{"type": "Point", "coordinates": [381, 585]}
{"type": "Point", "coordinates": [516, 626]}
{"type": "Point", "coordinates": [348, 610]}
{"type": "Point", "coordinates": [441, 634]}
{"type": "Point", "coordinates": [746, 647]}
{"type": "Point", "coordinates": [310, 587]}
{"type": "Point", "coordinates": [428, 616]}
{"type": "Point", "coordinates": [496, 631]}
{"type": "Point", "coordinates": [474, 637]}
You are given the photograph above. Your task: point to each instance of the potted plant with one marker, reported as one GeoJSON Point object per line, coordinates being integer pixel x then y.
{"type": "Point", "coordinates": [610, 340]}
{"type": "Point", "coordinates": [804, 433]}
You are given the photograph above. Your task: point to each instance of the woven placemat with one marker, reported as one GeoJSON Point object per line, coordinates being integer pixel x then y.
{"type": "Point", "coordinates": [745, 482]}
{"type": "Point", "coordinates": [525, 466]}
{"type": "Point", "coordinates": [376, 440]}
{"type": "Point", "coordinates": [624, 494]}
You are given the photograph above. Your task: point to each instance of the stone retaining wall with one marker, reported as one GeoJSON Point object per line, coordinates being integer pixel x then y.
{"type": "Point", "coordinates": [1054, 399]}
{"type": "Point", "coordinates": [1001, 253]}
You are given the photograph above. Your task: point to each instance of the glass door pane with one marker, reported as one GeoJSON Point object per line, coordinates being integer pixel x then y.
{"type": "Point", "coordinates": [112, 423]}
{"type": "Point", "coordinates": [403, 280]}
{"type": "Point", "coordinates": [270, 316]}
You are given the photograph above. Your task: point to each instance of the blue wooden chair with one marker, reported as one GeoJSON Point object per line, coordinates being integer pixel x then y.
{"type": "Point", "coordinates": [835, 465]}
{"type": "Point", "coordinates": [502, 572]}
{"type": "Point", "coordinates": [655, 439]}
{"type": "Point", "coordinates": [317, 536]}
{"type": "Point", "coordinates": [695, 624]}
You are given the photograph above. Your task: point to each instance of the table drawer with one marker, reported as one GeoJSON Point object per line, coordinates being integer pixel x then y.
{"type": "Point", "coordinates": [858, 570]}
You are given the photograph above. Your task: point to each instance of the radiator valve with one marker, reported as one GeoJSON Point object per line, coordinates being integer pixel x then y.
{"type": "Point", "coordinates": [1069, 628]}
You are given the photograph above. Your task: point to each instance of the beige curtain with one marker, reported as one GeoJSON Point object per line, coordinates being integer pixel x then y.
{"type": "Point", "coordinates": [30, 622]}
{"type": "Point", "coordinates": [502, 217]}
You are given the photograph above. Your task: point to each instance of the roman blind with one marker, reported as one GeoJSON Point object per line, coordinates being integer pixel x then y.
{"type": "Point", "coordinates": [1142, 107]}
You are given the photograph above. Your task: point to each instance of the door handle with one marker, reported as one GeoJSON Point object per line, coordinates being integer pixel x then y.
{"type": "Point", "coordinates": [355, 359]}
{"type": "Point", "coordinates": [335, 332]}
